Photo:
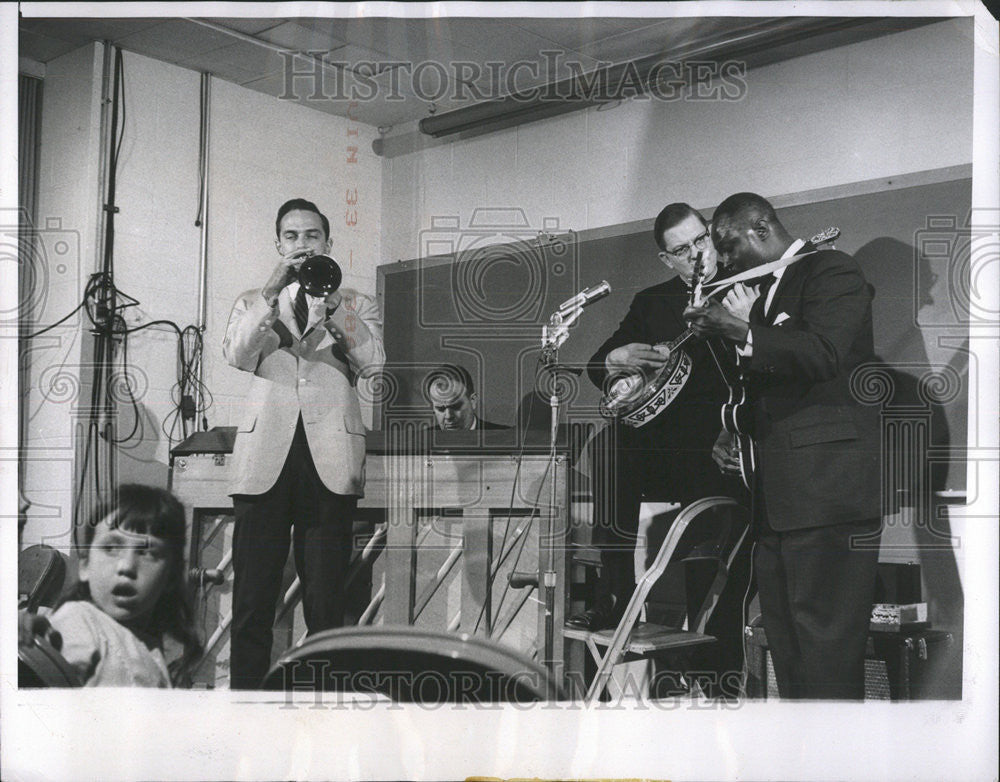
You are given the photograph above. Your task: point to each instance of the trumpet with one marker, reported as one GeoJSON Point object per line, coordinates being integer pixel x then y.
{"type": "Point", "coordinates": [320, 275]}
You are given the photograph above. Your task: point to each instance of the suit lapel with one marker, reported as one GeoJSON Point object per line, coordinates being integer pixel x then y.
{"type": "Point", "coordinates": [783, 285]}
{"type": "Point", "coordinates": [285, 326]}
{"type": "Point", "coordinates": [315, 318]}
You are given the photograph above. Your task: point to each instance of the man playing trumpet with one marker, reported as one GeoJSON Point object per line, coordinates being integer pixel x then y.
{"type": "Point", "coordinates": [300, 444]}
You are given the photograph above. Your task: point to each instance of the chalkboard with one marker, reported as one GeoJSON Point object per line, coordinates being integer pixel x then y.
{"type": "Point", "coordinates": [481, 293]}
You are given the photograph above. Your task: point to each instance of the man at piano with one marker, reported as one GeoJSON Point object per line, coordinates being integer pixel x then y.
{"type": "Point", "coordinates": [816, 489]}
{"type": "Point", "coordinates": [669, 457]}
{"type": "Point", "coordinates": [452, 394]}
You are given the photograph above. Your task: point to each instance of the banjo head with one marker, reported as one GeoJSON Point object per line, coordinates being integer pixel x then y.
{"type": "Point", "coordinates": [636, 399]}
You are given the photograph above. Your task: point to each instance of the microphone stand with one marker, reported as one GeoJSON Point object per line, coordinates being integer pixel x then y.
{"type": "Point", "coordinates": [553, 336]}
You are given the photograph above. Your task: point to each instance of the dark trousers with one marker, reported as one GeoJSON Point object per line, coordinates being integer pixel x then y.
{"type": "Point", "coordinates": [816, 589]}
{"type": "Point", "coordinates": [322, 543]}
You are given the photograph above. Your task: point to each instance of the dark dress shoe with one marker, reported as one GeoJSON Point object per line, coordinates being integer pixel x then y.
{"type": "Point", "coordinates": [600, 616]}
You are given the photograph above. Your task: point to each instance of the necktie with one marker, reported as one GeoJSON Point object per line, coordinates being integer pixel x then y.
{"type": "Point", "coordinates": [301, 309]}
{"type": "Point", "coordinates": [760, 305]}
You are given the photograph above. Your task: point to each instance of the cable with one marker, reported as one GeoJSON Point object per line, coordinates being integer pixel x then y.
{"type": "Point", "coordinates": [59, 322]}
{"type": "Point", "coordinates": [169, 323]}
{"type": "Point", "coordinates": [127, 380]}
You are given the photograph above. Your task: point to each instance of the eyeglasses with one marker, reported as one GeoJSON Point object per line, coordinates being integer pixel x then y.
{"type": "Point", "coordinates": [683, 252]}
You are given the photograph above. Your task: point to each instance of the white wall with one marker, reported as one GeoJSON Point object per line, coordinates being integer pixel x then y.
{"type": "Point", "coordinates": [892, 105]}
{"type": "Point", "coordinates": [263, 151]}
{"type": "Point", "coordinates": [66, 220]}
{"type": "Point", "coordinates": [156, 246]}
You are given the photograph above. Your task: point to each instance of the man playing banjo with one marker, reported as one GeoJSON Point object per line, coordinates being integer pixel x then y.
{"type": "Point", "coordinates": [661, 452]}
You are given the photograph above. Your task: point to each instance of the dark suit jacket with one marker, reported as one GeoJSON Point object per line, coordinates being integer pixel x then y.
{"type": "Point", "coordinates": [818, 448]}
{"type": "Point", "coordinates": [480, 424]}
{"type": "Point", "coordinates": [693, 419]}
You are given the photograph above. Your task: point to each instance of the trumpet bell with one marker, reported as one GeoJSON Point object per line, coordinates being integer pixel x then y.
{"type": "Point", "coordinates": [320, 275]}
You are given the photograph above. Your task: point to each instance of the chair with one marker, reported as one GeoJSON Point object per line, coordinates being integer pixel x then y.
{"type": "Point", "coordinates": [711, 528]}
{"type": "Point", "coordinates": [41, 573]}
{"type": "Point", "coordinates": [40, 665]}
{"type": "Point", "coordinates": [410, 665]}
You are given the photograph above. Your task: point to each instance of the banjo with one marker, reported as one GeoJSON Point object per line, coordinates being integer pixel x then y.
{"type": "Point", "coordinates": [635, 397]}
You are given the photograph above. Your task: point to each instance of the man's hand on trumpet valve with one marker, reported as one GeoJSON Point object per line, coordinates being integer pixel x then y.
{"type": "Point", "coordinates": [285, 272]}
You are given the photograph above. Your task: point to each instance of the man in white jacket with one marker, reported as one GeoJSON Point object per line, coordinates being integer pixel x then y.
{"type": "Point", "coordinates": [299, 458]}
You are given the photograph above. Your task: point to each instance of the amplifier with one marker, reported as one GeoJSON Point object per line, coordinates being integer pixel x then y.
{"type": "Point", "coordinates": [898, 583]}
{"type": "Point", "coordinates": [898, 666]}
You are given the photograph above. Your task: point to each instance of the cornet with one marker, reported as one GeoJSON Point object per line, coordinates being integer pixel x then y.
{"type": "Point", "coordinates": [320, 275]}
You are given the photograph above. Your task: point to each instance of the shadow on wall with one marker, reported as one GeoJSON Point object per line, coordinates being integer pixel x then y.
{"type": "Point", "coordinates": [137, 461]}
{"type": "Point", "coordinates": [922, 399]}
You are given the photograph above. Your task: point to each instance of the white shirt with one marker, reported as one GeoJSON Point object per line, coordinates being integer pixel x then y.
{"type": "Point", "coordinates": [746, 350]}
{"type": "Point", "coordinates": [293, 291]}
{"type": "Point", "coordinates": [105, 653]}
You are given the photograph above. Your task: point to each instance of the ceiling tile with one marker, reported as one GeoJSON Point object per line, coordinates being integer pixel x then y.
{"type": "Point", "coordinates": [247, 26]}
{"type": "Point", "coordinates": [86, 30]}
{"type": "Point", "coordinates": [251, 59]}
{"type": "Point", "coordinates": [303, 37]}
{"type": "Point", "coordinates": [42, 48]}
{"type": "Point", "coordinates": [576, 34]}
{"type": "Point", "coordinates": [398, 39]}
{"type": "Point", "coordinates": [500, 39]}
{"type": "Point", "coordinates": [222, 68]}
{"type": "Point", "coordinates": [175, 40]}
{"type": "Point", "coordinates": [661, 37]}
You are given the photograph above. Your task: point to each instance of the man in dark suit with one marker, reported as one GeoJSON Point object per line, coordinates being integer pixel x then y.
{"type": "Point", "coordinates": [450, 390]}
{"type": "Point", "coordinates": [668, 458]}
{"type": "Point", "coordinates": [816, 493]}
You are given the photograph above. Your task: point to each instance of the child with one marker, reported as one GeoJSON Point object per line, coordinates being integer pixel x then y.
{"type": "Point", "coordinates": [131, 592]}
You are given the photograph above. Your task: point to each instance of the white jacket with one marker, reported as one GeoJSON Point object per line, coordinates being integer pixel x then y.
{"type": "Point", "coordinates": [313, 375]}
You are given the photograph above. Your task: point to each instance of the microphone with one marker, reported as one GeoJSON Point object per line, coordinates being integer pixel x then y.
{"type": "Point", "coordinates": [586, 296]}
